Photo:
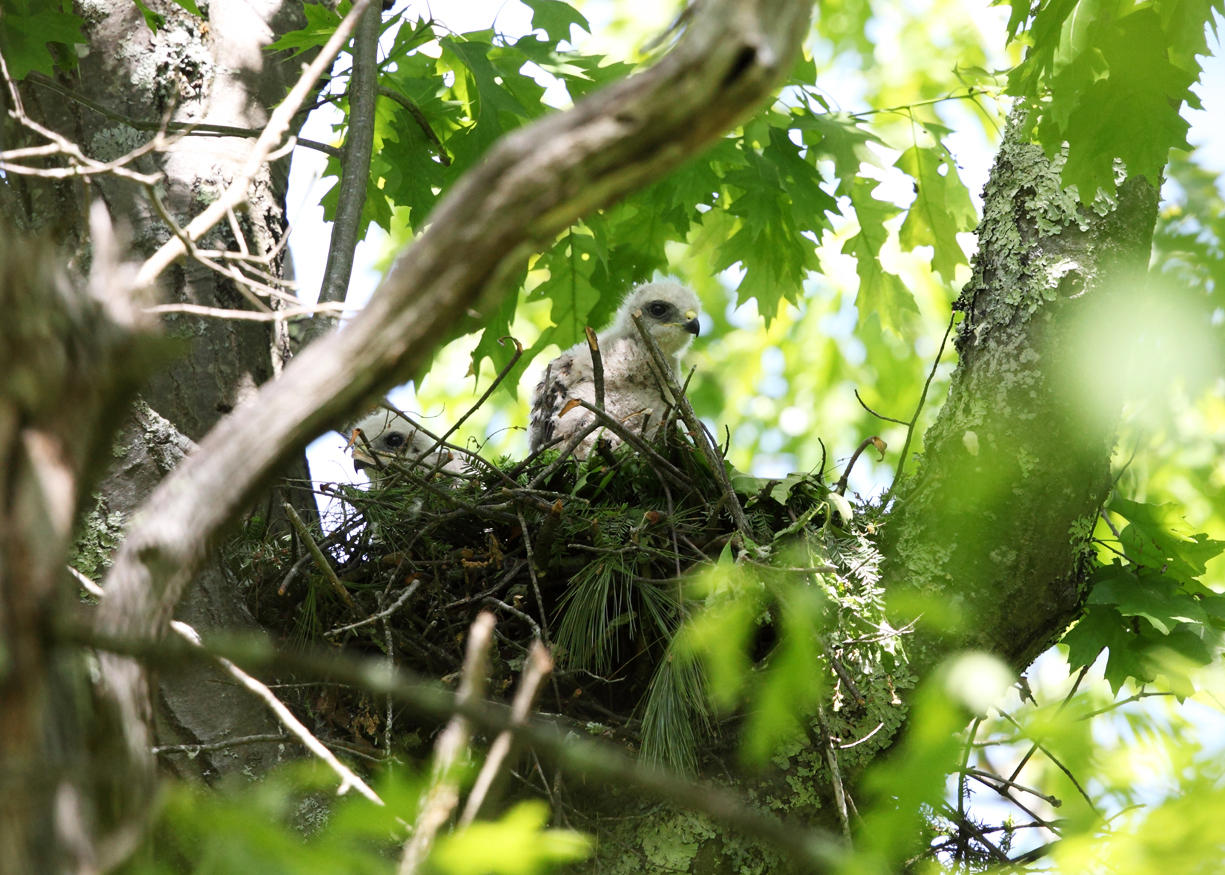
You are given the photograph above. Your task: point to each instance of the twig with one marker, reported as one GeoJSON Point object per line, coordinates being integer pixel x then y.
{"type": "Point", "coordinates": [1034, 745]}
{"type": "Point", "coordinates": [537, 667]}
{"type": "Point", "coordinates": [197, 129]}
{"type": "Point", "coordinates": [249, 315]}
{"type": "Point", "coordinates": [443, 795]}
{"type": "Point", "coordinates": [864, 405]}
{"type": "Point", "coordinates": [86, 583]}
{"type": "Point", "coordinates": [831, 761]}
{"type": "Point", "coordinates": [597, 365]}
{"type": "Point", "coordinates": [355, 166]}
{"type": "Point", "coordinates": [543, 632]}
{"type": "Point", "coordinates": [347, 778]}
{"type": "Point", "coordinates": [901, 462]}
{"type": "Point", "coordinates": [514, 612]}
{"type": "Point", "coordinates": [419, 117]}
{"type": "Point", "coordinates": [874, 441]}
{"type": "Point", "coordinates": [207, 746]}
{"type": "Point", "coordinates": [321, 561]}
{"type": "Point", "coordinates": [263, 147]}
{"type": "Point", "coordinates": [1059, 765]}
{"type": "Point", "coordinates": [388, 702]}
{"type": "Point", "coordinates": [964, 823]}
{"type": "Point", "coordinates": [381, 615]}
{"type": "Point", "coordinates": [995, 781]}
{"type": "Point", "coordinates": [497, 381]}
{"type": "Point", "coordinates": [661, 464]}
{"type": "Point", "coordinates": [567, 450]}
{"type": "Point", "coordinates": [696, 429]}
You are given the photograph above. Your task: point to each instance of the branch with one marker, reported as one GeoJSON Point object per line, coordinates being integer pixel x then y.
{"type": "Point", "coordinates": [288, 720]}
{"type": "Point", "coordinates": [264, 146]}
{"type": "Point", "coordinates": [422, 122]}
{"type": "Point", "coordinates": [196, 129]}
{"type": "Point", "coordinates": [443, 794]}
{"type": "Point", "coordinates": [321, 561]}
{"type": "Point", "coordinates": [700, 437]}
{"type": "Point", "coordinates": [536, 669]}
{"type": "Point", "coordinates": [355, 175]}
{"type": "Point", "coordinates": [597, 761]}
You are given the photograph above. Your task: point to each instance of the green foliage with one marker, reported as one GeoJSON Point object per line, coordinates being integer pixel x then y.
{"type": "Point", "coordinates": [910, 780]}
{"type": "Point", "coordinates": [775, 638]}
{"type": "Point", "coordinates": [39, 35]}
{"type": "Point", "coordinates": [288, 822]}
{"type": "Point", "coordinates": [292, 822]}
{"type": "Point", "coordinates": [516, 844]}
{"type": "Point", "coordinates": [1110, 79]}
{"type": "Point", "coordinates": [1149, 608]}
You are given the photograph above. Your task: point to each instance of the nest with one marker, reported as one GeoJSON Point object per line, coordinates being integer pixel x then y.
{"type": "Point", "coordinates": [595, 557]}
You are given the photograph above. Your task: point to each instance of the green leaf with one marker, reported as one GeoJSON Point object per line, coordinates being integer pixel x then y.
{"type": "Point", "coordinates": [155, 21]}
{"type": "Point", "coordinates": [1103, 627]}
{"type": "Point", "coordinates": [516, 844]}
{"type": "Point", "coordinates": [26, 37]}
{"type": "Point", "coordinates": [321, 23]}
{"type": "Point", "coordinates": [941, 207]}
{"type": "Point", "coordinates": [556, 18]}
{"type": "Point", "coordinates": [881, 293]}
{"type": "Point", "coordinates": [190, 6]}
{"type": "Point", "coordinates": [776, 195]}
{"type": "Point", "coordinates": [1150, 539]}
{"type": "Point", "coordinates": [1148, 595]}
{"type": "Point", "coordinates": [1111, 79]}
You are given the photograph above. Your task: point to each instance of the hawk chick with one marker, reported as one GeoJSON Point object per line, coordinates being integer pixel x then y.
{"type": "Point", "coordinates": [388, 436]}
{"type": "Point", "coordinates": [632, 392]}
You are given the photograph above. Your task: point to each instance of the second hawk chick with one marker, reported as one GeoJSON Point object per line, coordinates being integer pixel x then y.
{"type": "Point", "coordinates": [391, 437]}
{"type": "Point", "coordinates": [632, 393]}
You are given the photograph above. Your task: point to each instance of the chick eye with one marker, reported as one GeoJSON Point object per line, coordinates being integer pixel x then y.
{"type": "Point", "coordinates": [395, 440]}
{"type": "Point", "coordinates": [657, 309]}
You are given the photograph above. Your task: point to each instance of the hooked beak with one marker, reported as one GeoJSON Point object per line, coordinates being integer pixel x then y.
{"type": "Point", "coordinates": [362, 459]}
{"type": "Point", "coordinates": [691, 323]}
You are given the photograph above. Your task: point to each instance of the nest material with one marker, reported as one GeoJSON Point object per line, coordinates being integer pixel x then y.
{"type": "Point", "coordinates": [595, 557]}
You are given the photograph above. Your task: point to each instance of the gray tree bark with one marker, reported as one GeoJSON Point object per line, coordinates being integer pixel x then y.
{"type": "Point", "coordinates": [213, 71]}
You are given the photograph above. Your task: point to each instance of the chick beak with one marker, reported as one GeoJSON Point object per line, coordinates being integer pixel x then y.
{"type": "Point", "coordinates": [691, 324]}
{"type": "Point", "coordinates": [362, 459]}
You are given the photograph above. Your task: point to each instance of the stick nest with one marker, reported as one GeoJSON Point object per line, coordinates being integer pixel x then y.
{"type": "Point", "coordinates": [603, 559]}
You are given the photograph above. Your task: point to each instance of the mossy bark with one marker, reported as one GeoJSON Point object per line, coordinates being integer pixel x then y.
{"type": "Point", "coordinates": [987, 540]}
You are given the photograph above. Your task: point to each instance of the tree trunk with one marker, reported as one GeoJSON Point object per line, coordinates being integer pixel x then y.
{"type": "Point", "coordinates": [988, 540]}
{"type": "Point", "coordinates": [210, 71]}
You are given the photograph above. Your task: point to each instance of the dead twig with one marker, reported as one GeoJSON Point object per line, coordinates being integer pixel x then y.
{"type": "Point", "coordinates": [321, 561]}
{"type": "Point", "coordinates": [381, 615]}
{"type": "Point", "coordinates": [537, 667]}
{"type": "Point", "coordinates": [901, 462]}
{"type": "Point", "coordinates": [696, 429]}
{"type": "Point", "coordinates": [261, 152]}
{"type": "Point", "coordinates": [874, 441]}
{"type": "Point", "coordinates": [597, 365]}
{"type": "Point", "coordinates": [443, 795]}
{"type": "Point", "coordinates": [348, 780]}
